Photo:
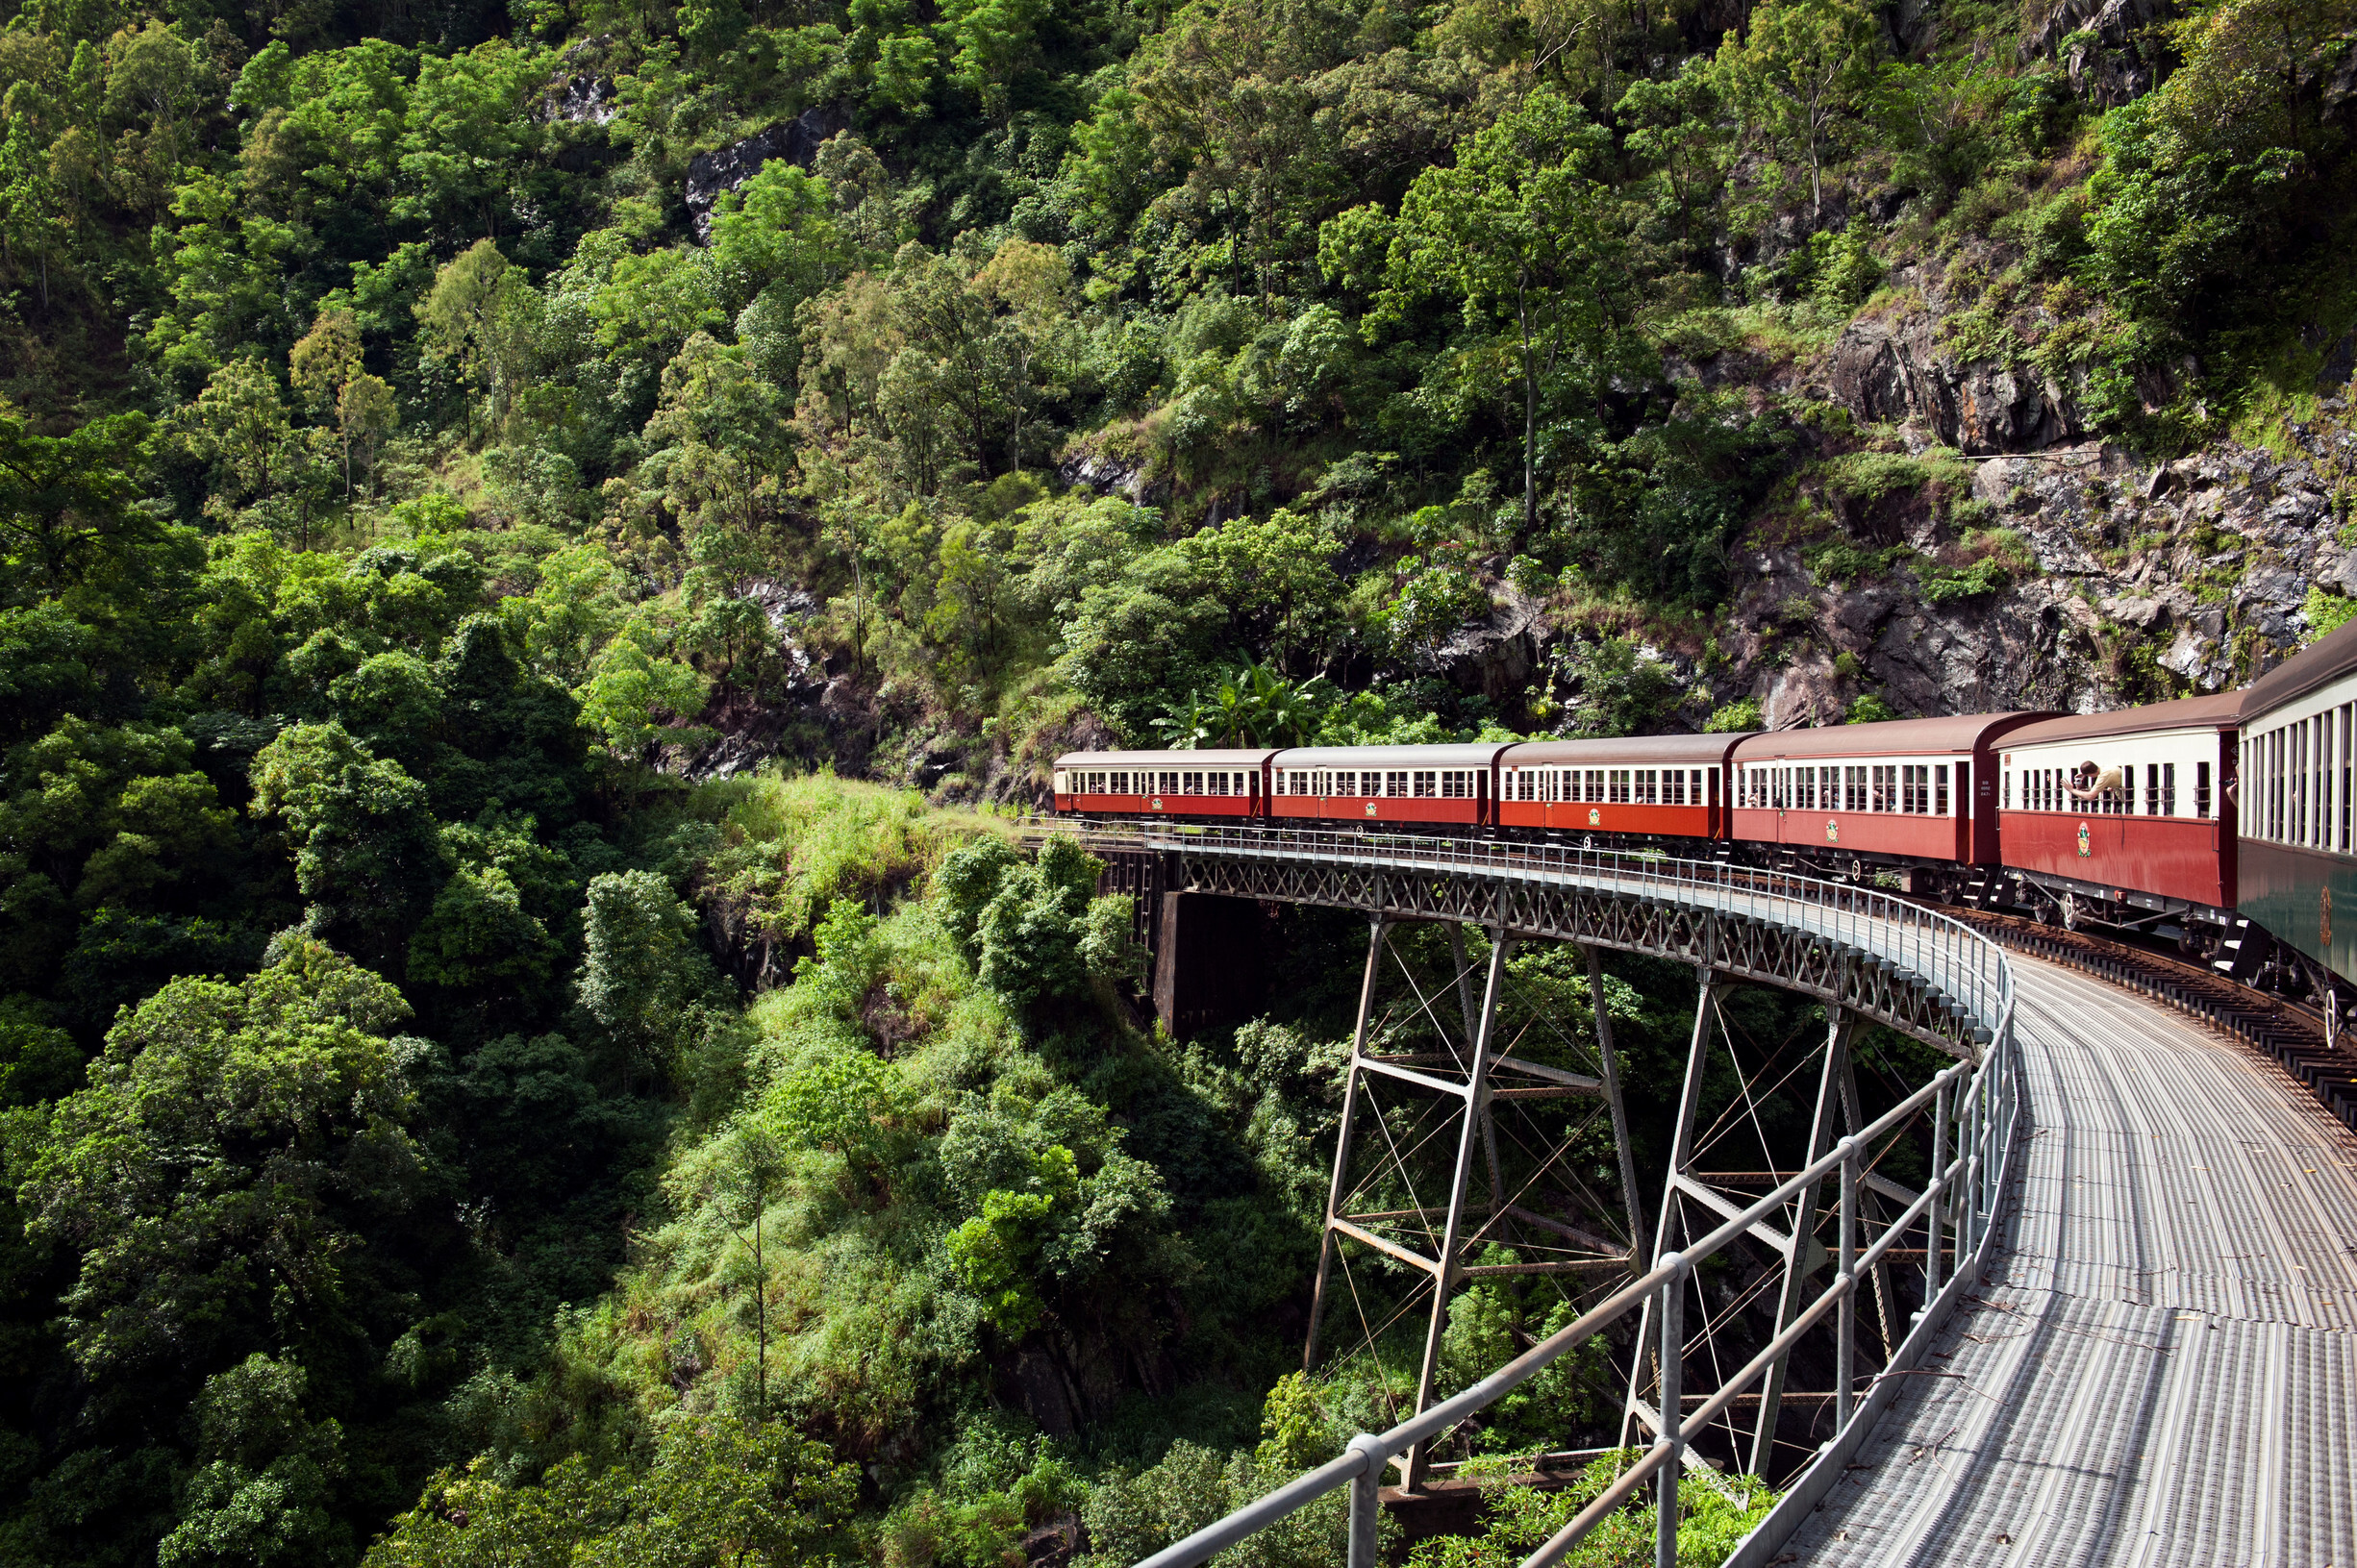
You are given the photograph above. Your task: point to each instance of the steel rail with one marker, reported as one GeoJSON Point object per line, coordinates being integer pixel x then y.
{"type": "Point", "coordinates": [1958, 963]}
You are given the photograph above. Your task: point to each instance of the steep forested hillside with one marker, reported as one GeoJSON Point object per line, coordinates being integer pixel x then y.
{"type": "Point", "coordinates": [536, 541]}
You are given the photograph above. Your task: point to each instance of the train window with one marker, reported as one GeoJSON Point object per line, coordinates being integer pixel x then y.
{"type": "Point", "coordinates": [1673, 787]}
{"type": "Point", "coordinates": [2320, 760]}
{"type": "Point", "coordinates": [1938, 786]}
{"type": "Point", "coordinates": [2295, 813]}
{"type": "Point", "coordinates": [2152, 790]}
{"type": "Point", "coordinates": [1191, 783]}
{"type": "Point", "coordinates": [1219, 784]}
{"type": "Point", "coordinates": [2005, 801]}
{"type": "Point", "coordinates": [2313, 743]}
{"type": "Point", "coordinates": [2168, 789]}
{"type": "Point", "coordinates": [1427, 786]}
{"type": "Point", "coordinates": [2348, 712]}
{"type": "Point", "coordinates": [1396, 786]}
{"type": "Point", "coordinates": [2273, 744]}
{"type": "Point", "coordinates": [1454, 786]}
{"type": "Point", "coordinates": [2201, 790]}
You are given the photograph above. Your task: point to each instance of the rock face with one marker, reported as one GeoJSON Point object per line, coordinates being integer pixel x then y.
{"type": "Point", "coordinates": [1495, 656]}
{"type": "Point", "coordinates": [2151, 580]}
{"type": "Point", "coordinates": [795, 140]}
{"type": "Point", "coordinates": [2106, 46]}
{"type": "Point", "coordinates": [1894, 374]}
{"type": "Point", "coordinates": [581, 99]}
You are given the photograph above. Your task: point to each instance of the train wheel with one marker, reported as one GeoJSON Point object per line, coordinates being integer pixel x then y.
{"type": "Point", "coordinates": [2070, 912]}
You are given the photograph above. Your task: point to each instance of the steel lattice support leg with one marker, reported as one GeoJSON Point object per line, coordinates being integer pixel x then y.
{"type": "Point", "coordinates": [1476, 1111]}
{"type": "Point", "coordinates": [1797, 1264]}
{"type": "Point", "coordinates": [1455, 1138]}
{"type": "Point", "coordinates": [1328, 1238]}
{"type": "Point", "coordinates": [1609, 1064]}
{"type": "Point", "coordinates": [1668, 1233]}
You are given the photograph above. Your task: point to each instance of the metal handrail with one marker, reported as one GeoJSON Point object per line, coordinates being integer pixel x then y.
{"type": "Point", "coordinates": [1961, 1197]}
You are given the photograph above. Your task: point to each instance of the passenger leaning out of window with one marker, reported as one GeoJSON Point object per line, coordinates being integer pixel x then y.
{"type": "Point", "coordinates": [2090, 783]}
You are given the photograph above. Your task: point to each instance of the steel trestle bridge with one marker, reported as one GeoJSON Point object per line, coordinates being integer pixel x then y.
{"type": "Point", "coordinates": [1432, 1117]}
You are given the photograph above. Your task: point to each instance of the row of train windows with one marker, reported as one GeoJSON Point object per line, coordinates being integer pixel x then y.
{"type": "Point", "coordinates": [1613, 786]}
{"type": "Point", "coordinates": [1913, 788]}
{"type": "Point", "coordinates": [2305, 784]}
{"type": "Point", "coordinates": [2109, 792]}
{"type": "Point", "coordinates": [1183, 782]}
{"type": "Point", "coordinates": [1396, 783]}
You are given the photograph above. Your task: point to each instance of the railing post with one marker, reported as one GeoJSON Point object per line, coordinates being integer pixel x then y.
{"type": "Point", "coordinates": [1673, 1399]}
{"type": "Point", "coordinates": [1940, 1201]}
{"type": "Point", "coordinates": [1366, 1496]}
{"type": "Point", "coordinates": [1845, 1354]}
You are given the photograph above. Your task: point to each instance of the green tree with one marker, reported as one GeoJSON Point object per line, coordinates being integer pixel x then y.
{"type": "Point", "coordinates": [641, 972]}
{"type": "Point", "coordinates": [263, 1492]}
{"type": "Point", "coordinates": [1801, 73]}
{"type": "Point", "coordinates": [218, 1180]}
{"type": "Point", "coordinates": [1520, 231]}
{"type": "Point", "coordinates": [369, 855]}
{"type": "Point", "coordinates": [69, 512]}
{"type": "Point", "coordinates": [479, 318]}
{"type": "Point", "coordinates": [719, 1494]}
{"type": "Point", "coordinates": [240, 420]}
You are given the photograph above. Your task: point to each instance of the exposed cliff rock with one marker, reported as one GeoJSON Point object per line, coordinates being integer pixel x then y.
{"type": "Point", "coordinates": [1894, 373]}
{"type": "Point", "coordinates": [2110, 49]}
{"type": "Point", "coordinates": [726, 168]}
{"type": "Point", "coordinates": [2151, 580]}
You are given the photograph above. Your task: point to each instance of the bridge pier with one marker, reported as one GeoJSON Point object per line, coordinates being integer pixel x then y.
{"type": "Point", "coordinates": [1208, 951]}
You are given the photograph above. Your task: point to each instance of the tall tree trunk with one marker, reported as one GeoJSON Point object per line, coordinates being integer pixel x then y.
{"type": "Point", "coordinates": [1530, 415]}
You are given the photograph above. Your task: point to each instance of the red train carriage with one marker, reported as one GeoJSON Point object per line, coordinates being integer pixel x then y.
{"type": "Point", "coordinates": [2106, 814]}
{"type": "Point", "coordinates": [1432, 787]}
{"type": "Point", "coordinates": [1839, 799]}
{"type": "Point", "coordinates": [1665, 787]}
{"type": "Point", "coordinates": [1201, 784]}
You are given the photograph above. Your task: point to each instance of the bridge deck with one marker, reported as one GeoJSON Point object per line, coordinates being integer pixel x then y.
{"type": "Point", "coordinates": [2161, 1368]}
